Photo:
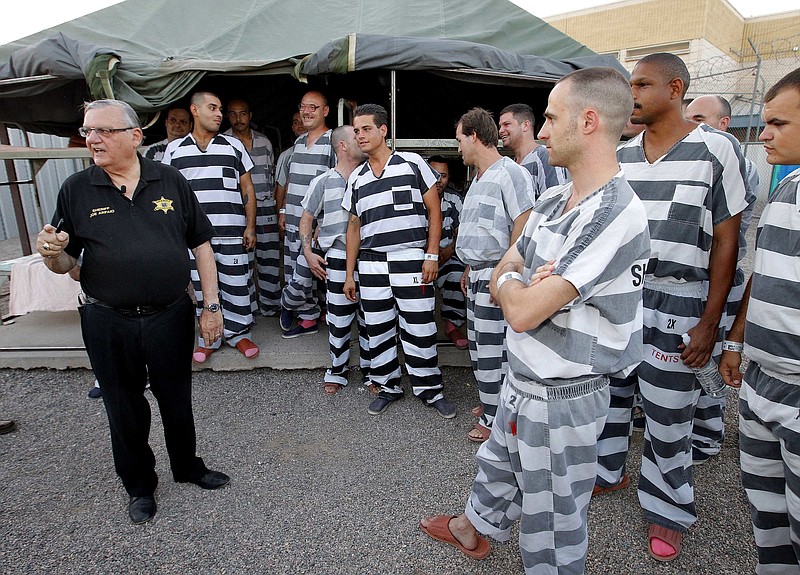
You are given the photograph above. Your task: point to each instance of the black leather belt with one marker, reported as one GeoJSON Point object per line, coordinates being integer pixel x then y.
{"type": "Point", "coordinates": [483, 265]}
{"type": "Point", "coordinates": [138, 311]}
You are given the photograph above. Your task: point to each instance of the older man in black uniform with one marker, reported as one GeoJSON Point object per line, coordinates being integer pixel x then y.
{"type": "Point", "coordinates": [134, 220]}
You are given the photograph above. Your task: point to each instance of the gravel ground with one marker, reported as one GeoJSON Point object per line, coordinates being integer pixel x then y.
{"type": "Point", "coordinates": [319, 486]}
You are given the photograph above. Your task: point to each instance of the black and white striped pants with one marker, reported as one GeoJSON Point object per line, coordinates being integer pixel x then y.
{"type": "Point", "coordinates": [341, 313]}
{"type": "Point", "coordinates": [769, 449]}
{"type": "Point", "coordinates": [486, 331]}
{"type": "Point", "coordinates": [538, 467]}
{"type": "Point", "coordinates": [669, 392]}
{"type": "Point", "coordinates": [709, 418]}
{"type": "Point", "coordinates": [234, 280]}
{"type": "Point", "coordinates": [454, 305]}
{"type": "Point", "coordinates": [267, 260]}
{"type": "Point", "coordinates": [298, 293]}
{"type": "Point", "coordinates": [393, 296]}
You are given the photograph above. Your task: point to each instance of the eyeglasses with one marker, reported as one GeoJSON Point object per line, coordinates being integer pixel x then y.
{"type": "Point", "coordinates": [309, 107]}
{"type": "Point", "coordinates": [102, 132]}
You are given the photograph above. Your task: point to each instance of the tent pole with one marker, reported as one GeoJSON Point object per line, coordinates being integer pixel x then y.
{"type": "Point", "coordinates": [393, 106]}
{"type": "Point", "coordinates": [16, 198]}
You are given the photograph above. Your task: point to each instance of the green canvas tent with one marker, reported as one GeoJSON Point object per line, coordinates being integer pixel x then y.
{"type": "Point", "coordinates": [153, 53]}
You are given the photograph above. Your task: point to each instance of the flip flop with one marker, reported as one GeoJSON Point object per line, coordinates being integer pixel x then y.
{"type": "Point", "coordinates": [332, 388]}
{"type": "Point", "coordinates": [456, 335]}
{"type": "Point", "coordinates": [201, 354]}
{"type": "Point", "coordinates": [623, 483]}
{"type": "Point", "coordinates": [668, 536]}
{"type": "Point", "coordinates": [247, 348]}
{"type": "Point", "coordinates": [439, 529]}
{"type": "Point", "coordinates": [484, 431]}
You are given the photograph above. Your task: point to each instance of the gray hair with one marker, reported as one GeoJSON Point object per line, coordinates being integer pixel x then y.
{"type": "Point", "coordinates": [124, 107]}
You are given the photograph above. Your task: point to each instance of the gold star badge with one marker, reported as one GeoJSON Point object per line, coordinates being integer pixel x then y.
{"type": "Point", "coordinates": [163, 204]}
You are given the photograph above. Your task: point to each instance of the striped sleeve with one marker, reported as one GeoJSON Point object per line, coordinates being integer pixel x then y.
{"type": "Point", "coordinates": [772, 328]}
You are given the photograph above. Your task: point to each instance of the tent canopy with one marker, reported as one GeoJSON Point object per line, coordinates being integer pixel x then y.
{"type": "Point", "coordinates": [372, 51]}
{"type": "Point", "coordinates": [166, 48]}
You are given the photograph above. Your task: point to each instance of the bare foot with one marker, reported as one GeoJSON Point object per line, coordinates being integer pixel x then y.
{"type": "Point", "coordinates": [462, 530]}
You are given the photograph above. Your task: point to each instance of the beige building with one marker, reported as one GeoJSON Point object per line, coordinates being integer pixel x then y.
{"type": "Point", "coordinates": [729, 55]}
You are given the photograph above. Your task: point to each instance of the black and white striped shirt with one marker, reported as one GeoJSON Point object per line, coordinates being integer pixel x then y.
{"type": "Point", "coordinates": [601, 247]}
{"type": "Point", "coordinates": [543, 175]}
{"type": "Point", "coordinates": [390, 206]}
{"type": "Point", "coordinates": [263, 172]}
{"type": "Point", "coordinates": [502, 194]}
{"type": "Point", "coordinates": [214, 176]}
{"type": "Point", "coordinates": [305, 165]}
{"type": "Point", "coordinates": [772, 330]}
{"type": "Point", "coordinates": [698, 184]}
{"type": "Point", "coordinates": [324, 202]}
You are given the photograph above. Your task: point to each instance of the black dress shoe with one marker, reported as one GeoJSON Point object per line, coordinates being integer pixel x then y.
{"type": "Point", "coordinates": [211, 480]}
{"type": "Point", "coordinates": [142, 509]}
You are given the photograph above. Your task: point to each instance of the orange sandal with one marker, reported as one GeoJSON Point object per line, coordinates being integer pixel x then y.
{"type": "Point", "coordinates": [484, 432]}
{"type": "Point", "coordinates": [439, 529]}
{"type": "Point", "coordinates": [456, 335]}
{"type": "Point", "coordinates": [201, 354]}
{"type": "Point", "coordinates": [669, 536]}
{"type": "Point", "coordinates": [332, 388]}
{"type": "Point", "coordinates": [247, 348]}
{"type": "Point", "coordinates": [623, 483]}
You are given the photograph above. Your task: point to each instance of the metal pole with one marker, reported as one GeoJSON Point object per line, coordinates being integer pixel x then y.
{"type": "Point", "coordinates": [753, 99]}
{"type": "Point", "coordinates": [393, 106]}
{"type": "Point", "coordinates": [16, 198]}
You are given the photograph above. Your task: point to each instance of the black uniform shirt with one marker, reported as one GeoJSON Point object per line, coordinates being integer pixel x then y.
{"type": "Point", "coordinates": [135, 252]}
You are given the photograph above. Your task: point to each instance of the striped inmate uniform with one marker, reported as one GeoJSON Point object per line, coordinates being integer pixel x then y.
{"type": "Point", "coordinates": [282, 167]}
{"type": "Point", "coordinates": [697, 184]}
{"type": "Point", "coordinates": [708, 431]}
{"type": "Point", "coordinates": [543, 175]}
{"type": "Point", "coordinates": [214, 175]}
{"type": "Point", "coordinates": [155, 151]}
{"type": "Point", "coordinates": [449, 279]}
{"type": "Point", "coordinates": [324, 202]}
{"type": "Point", "coordinates": [268, 249]}
{"type": "Point", "coordinates": [305, 164]}
{"type": "Point", "coordinates": [492, 203]}
{"type": "Point", "coordinates": [769, 400]}
{"type": "Point", "coordinates": [394, 234]}
{"type": "Point", "coordinates": [539, 462]}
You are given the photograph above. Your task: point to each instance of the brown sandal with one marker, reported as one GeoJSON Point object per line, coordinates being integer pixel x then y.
{"type": "Point", "coordinates": [332, 388]}
{"type": "Point", "coordinates": [484, 432]}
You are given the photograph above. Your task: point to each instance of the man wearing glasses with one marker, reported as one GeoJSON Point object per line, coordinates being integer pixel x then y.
{"type": "Point", "coordinates": [267, 249]}
{"type": "Point", "coordinates": [135, 222]}
{"type": "Point", "coordinates": [312, 155]}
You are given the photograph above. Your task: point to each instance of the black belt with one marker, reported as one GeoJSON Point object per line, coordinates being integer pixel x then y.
{"type": "Point", "coordinates": [483, 265]}
{"type": "Point", "coordinates": [138, 311]}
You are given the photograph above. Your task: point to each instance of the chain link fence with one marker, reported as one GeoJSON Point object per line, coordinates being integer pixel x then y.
{"type": "Point", "coordinates": [743, 80]}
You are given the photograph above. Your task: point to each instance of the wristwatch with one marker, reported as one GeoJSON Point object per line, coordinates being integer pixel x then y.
{"type": "Point", "coordinates": [212, 307]}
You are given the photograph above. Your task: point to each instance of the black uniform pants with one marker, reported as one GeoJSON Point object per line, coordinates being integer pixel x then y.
{"type": "Point", "coordinates": [125, 351]}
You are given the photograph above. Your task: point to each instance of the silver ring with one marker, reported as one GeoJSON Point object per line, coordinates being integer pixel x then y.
{"type": "Point", "coordinates": [46, 246]}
